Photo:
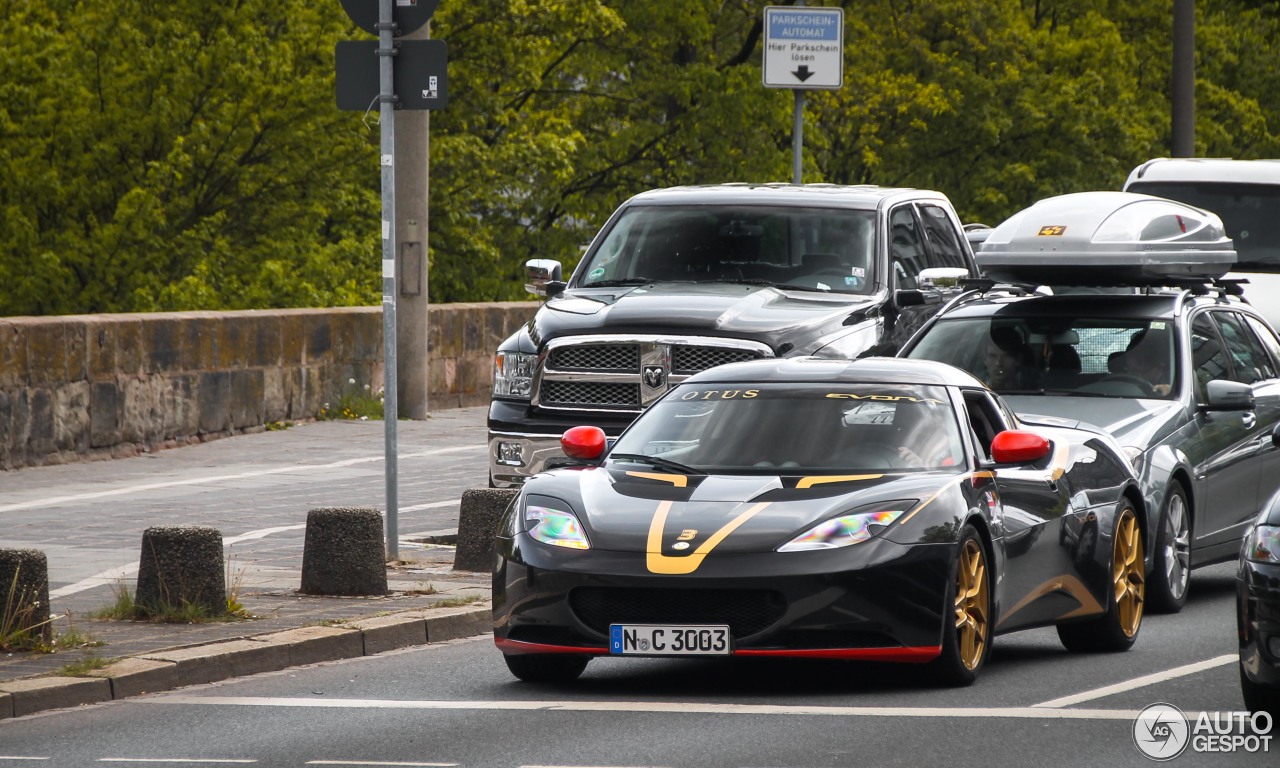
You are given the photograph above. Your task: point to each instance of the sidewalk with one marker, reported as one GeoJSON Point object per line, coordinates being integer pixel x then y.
{"type": "Point", "coordinates": [427, 601]}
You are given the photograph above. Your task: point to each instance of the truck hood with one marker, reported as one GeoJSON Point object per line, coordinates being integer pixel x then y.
{"type": "Point", "coordinates": [1132, 421]}
{"type": "Point", "coordinates": [774, 316]}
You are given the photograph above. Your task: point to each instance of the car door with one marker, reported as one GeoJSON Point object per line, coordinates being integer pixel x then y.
{"type": "Point", "coordinates": [1029, 520]}
{"type": "Point", "coordinates": [1255, 354]}
{"type": "Point", "coordinates": [1228, 463]}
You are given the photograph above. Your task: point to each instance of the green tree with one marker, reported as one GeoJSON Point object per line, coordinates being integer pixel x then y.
{"type": "Point", "coordinates": [564, 109]}
{"type": "Point", "coordinates": [163, 155]}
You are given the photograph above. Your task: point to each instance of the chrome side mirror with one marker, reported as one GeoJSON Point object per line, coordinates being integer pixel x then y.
{"type": "Point", "coordinates": [542, 274]}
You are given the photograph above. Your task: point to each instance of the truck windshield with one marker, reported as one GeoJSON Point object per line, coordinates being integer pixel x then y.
{"type": "Point", "coordinates": [815, 249]}
{"type": "Point", "coordinates": [797, 429]}
{"type": "Point", "coordinates": [1247, 210]}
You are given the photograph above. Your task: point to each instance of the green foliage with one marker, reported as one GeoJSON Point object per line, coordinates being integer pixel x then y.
{"type": "Point", "coordinates": [79, 668]}
{"type": "Point", "coordinates": [179, 156]}
{"type": "Point", "coordinates": [356, 403]}
{"type": "Point", "coordinates": [161, 156]}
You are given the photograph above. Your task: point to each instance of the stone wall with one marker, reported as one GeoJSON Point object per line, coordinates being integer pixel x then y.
{"type": "Point", "coordinates": [95, 386]}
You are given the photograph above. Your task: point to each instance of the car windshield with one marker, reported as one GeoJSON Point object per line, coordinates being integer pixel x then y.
{"type": "Point", "coordinates": [1246, 210]}
{"type": "Point", "coordinates": [814, 249]}
{"type": "Point", "coordinates": [796, 428]}
{"type": "Point", "coordinates": [1059, 355]}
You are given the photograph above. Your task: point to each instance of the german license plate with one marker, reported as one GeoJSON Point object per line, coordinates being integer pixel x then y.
{"type": "Point", "coordinates": [669, 640]}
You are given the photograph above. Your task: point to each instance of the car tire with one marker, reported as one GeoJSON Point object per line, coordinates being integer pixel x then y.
{"type": "Point", "coordinates": [546, 667]}
{"type": "Point", "coordinates": [1171, 562]}
{"type": "Point", "coordinates": [1117, 629]}
{"type": "Point", "coordinates": [1259, 697]}
{"type": "Point", "coordinates": [967, 626]}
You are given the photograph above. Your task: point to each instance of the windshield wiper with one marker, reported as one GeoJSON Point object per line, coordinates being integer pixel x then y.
{"type": "Point", "coordinates": [623, 281]}
{"type": "Point", "coordinates": [657, 461]}
{"type": "Point", "coordinates": [745, 281]}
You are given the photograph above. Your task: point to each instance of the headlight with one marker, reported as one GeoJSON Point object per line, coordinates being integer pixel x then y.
{"type": "Point", "coordinates": [1264, 544]}
{"type": "Point", "coordinates": [557, 527]}
{"type": "Point", "coordinates": [852, 528]}
{"type": "Point", "coordinates": [513, 374]}
{"type": "Point", "coordinates": [1134, 455]}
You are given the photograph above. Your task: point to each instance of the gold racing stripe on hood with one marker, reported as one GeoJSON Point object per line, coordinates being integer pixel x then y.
{"type": "Point", "coordinates": [809, 482]}
{"type": "Point", "coordinates": [678, 481]}
{"type": "Point", "coordinates": [657, 562]}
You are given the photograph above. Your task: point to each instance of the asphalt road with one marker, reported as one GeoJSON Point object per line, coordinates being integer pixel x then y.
{"type": "Point", "coordinates": [456, 704]}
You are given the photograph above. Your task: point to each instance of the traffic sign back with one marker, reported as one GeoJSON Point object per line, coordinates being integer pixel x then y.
{"type": "Point", "coordinates": [408, 15]}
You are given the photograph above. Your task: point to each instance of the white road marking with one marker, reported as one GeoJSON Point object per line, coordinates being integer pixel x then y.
{"type": "Point", "coordinates": [261, 533]}
{"type": "Point", "coordinates": [1140, 682]}
{"type": "Point", "coordinates": [13, 757]}
{"type": "Point", "coordinates": [113, 576]}
{"type": "Point", "coordinates": [370, 762]}
{"type": "Point", "coordinates": [293, 468]}
{"type": "Point", "coordinates": [170, 760]}
{"type": "Point", "coordinates": [432, 505]}
{"type": "Point", "coordinates": [1033, 713]}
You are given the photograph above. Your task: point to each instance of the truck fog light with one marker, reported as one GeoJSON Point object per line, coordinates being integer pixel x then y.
{"type": "Point", "coordinates": [1273, 645]}
{"type": "Point", "coordinates": [510, 454]}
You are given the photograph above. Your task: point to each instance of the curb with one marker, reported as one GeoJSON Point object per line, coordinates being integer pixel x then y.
{"type": "Point", "coordinates": [165, 670]}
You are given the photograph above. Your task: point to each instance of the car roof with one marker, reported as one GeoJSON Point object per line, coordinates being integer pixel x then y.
{"type": "Point", "coordinates": [817, 370]}
{"type": "Point", "coordinates": [1165, 305]}
{"type": "Point", "coordinates": [863, 196]}
{"type": "Point", "coordinates": [1207, 169]}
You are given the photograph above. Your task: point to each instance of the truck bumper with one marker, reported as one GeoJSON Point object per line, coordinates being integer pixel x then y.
{"type": "Point", "coordinates": [523, 442]}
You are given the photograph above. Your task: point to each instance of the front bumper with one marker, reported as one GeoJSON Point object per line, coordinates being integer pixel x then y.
{"type": "Point", "coordinates": [523, 442]}
{"type": "Point", "coordinates": [1258, 619]}
{"type": "Point", "coordinates": [885, 602]}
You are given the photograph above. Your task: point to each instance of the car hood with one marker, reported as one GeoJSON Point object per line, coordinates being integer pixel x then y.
{"type": "Point", "coordinates": [794, 321]}
{"type": "Point", "coordinates": [647, 511]}
{"type": "Point", "coordinates": [1132, 421]}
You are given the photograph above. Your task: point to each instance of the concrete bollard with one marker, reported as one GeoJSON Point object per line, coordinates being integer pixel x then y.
{"type": "Point", "coordinates": [181, 565]}
{"type": "Point", "coordinates": [344, 552]}
{"type": "Point", "coordinates": [478, 518]}
{"type": "Point", "coordinates": [24, 593]}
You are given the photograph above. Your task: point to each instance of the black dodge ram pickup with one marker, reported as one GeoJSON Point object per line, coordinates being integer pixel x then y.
{"type": "Point", "coordinates": [683, 279]}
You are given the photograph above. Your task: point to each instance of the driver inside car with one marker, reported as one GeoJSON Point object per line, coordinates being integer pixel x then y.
{"type": "Point", "coordinates": [1147, 357]}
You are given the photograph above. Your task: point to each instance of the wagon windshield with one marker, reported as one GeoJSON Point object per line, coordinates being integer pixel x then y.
{"type": "Point", "coordinates": [798, 428]}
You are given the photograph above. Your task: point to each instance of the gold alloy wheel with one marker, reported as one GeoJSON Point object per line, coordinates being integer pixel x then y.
{"type": "Point", "coordinates": [972, 622]}
{"type": "Point", "coordinates": [1127, 579]}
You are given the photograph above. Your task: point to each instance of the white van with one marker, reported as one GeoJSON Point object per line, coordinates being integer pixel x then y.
{"type": "Point", "coordinates": [1246, 195]}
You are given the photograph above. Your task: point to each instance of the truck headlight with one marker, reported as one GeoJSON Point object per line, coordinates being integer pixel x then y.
{"type": "Point", "coordinates": [513, 374]}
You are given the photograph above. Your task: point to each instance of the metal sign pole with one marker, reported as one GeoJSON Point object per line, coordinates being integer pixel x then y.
{"type": "Point", "coordinates": [797, 138]}
{"type": "Point", "coordinates": [390, 408]}
{"type": "Point", "coordinates": [797, 132]}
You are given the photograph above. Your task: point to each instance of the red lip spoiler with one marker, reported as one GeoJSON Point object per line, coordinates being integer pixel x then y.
{"type": "Point", "coordinates": [910, 655]}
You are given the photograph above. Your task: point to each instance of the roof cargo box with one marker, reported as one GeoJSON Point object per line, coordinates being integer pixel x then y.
{"type": "Point", "coordinates": [1107, 239]}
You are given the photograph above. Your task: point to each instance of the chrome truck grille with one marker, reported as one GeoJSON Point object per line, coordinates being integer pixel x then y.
{"type": "Point", "coordinates": [614, 373]}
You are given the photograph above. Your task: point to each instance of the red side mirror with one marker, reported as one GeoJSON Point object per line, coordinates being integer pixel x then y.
{"type": "Point", "coordinates": [1017, 447]}
{"type": "Point", "coordinates": [583, 443]}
